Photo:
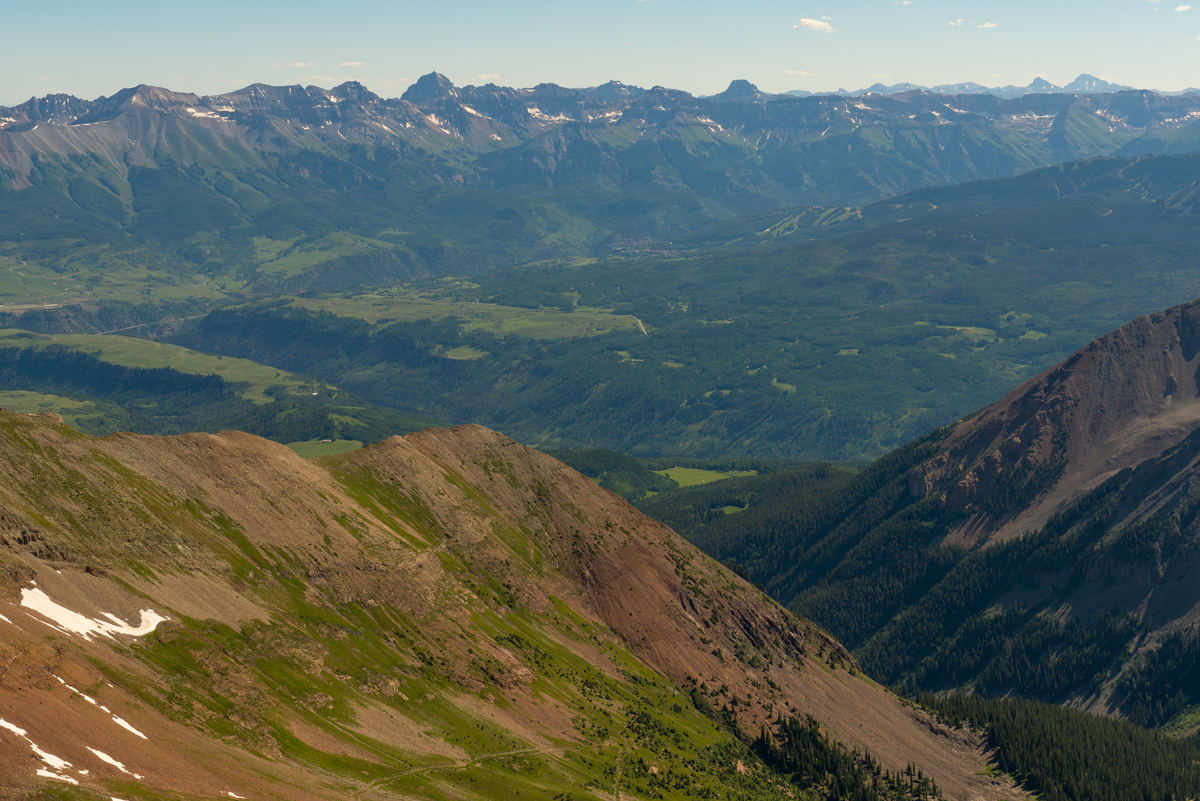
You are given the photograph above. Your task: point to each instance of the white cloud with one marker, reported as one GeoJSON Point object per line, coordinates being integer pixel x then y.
{"type": "Point", "coordinates": [880, 76]}
{"type": "Point", "coordinates": [814, 25]}
{"type": "Point", "coordinates": [1183, 8]}
{"type": "Point", "coordinates": [301, 63]}
{"type": "Point", "coordinates": [903, 3]}
{"type": "Point", "coordinates": [955, 23]}
{"type": "Point", "coordinates": [352, 64]}
{"type": "Point", "coordinates": [488, 76]}
{"type": "Point", "coordinates": [795, 72]}
{"type": "Point", "coordinates": [989, 25]}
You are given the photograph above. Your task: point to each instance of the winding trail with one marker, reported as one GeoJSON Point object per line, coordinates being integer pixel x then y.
{"type": "Point", "coordinates": [458, 764]}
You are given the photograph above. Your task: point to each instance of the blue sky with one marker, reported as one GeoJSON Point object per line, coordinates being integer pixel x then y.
{"type": "Point", "coordinates": [90, 49]}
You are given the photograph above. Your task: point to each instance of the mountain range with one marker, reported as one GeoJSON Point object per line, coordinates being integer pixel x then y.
{"type": "Point", "coordinates": [453, 614]}
{"type": "Point", "coordinates": [1084, 84]}
{"type": "Point", "coordinates": [550, 137]}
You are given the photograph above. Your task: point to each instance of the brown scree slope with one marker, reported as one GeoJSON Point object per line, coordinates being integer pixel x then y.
{"type": "Point", "coordinates": [424, 548]}
{"type": "Point", "coordinates": [1126, 397]}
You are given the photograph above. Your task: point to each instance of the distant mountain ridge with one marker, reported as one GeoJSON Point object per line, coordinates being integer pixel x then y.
{"type": "Point", "coordinates": [743, 149]}
{"type": "Point", "coordinates": [462, 180]}
{"type": "Point", "coordinates": [1084, 84]}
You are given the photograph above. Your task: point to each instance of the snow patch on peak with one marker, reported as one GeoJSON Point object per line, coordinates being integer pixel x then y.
{"type": "Point", "coordinates": [205, 114]}
{"type": "Point", "coordinates": [540, 115]}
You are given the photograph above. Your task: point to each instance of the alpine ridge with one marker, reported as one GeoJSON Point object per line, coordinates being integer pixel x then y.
{"type": "Point", "coordinates": [211, 615]}
{"type": "Point", "coordinates": [1007, 134]}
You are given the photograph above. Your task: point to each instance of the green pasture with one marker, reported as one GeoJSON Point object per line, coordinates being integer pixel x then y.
{"type": "Point", "coordinates": [131, 352]}
{"type": "Point", "coordinates": [491, 318]}
{"type": "Point", "coordinates": [94, 273]}
{"type": "Point", "coordinates": [692, 476]}
{"type": "Point", "coordinates": [285, 258]}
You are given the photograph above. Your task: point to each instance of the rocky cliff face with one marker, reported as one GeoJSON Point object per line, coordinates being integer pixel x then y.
{"type": "Point", "coordinates": [448, 612]}
{"type": "Point", "coordinates": [1126, 397]}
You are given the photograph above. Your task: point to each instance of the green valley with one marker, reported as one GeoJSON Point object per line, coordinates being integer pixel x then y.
{"type": "Point", "coordinates": [828, 349]}
{"type": "Point", "coordinates": [380, 439]}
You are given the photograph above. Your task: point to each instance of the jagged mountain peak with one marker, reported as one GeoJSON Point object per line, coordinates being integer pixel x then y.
{"type": "Point", "coordinates": [1090, 83]}
{"type": "Point", "coordinates": [741, 86]}
{"type": "Point", "coordinates": [59, 108]}
{"type": "Point", "coordinates": [1041, 85]}
{"type": "Point", "coordinates": [740, 91]}
{"type": "Point", "coordinates": [432, 86]}
{"type": "Point", "coordinates": [138, 99]}
{"type": "Point", "coordinates": [353, 92]}
{"type": "Point", "coordinates": [614, 90]}
{"type": "Point", "coordinates": [894, 89]}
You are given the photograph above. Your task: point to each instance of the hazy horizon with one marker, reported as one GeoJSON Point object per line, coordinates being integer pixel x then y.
{"type": "Point", "coordinates": [697, 47]}
{"type": "Point", "coordinates": [9, 102]}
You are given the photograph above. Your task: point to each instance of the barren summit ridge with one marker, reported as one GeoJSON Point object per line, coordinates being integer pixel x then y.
{"type": "Point", "coordinates": [1127, 396]}
{"type": "Point", "coordinates": [444, 613]}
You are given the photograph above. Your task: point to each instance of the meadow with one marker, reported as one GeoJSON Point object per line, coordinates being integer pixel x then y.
{"type": "Point", "coordinates": [252, 379]}
{"type": "Point", "coordinates": [409, 305]}
{"type": "Point", "coordinates": [694, 477]}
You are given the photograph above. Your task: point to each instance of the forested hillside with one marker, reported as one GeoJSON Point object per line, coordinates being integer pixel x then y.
{"type": "Point", "coordinates": [782, 347]}
{"type": "Point", "coordinates": [1041, 548]}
